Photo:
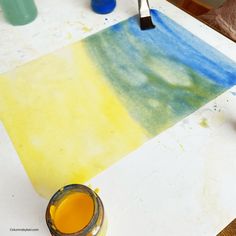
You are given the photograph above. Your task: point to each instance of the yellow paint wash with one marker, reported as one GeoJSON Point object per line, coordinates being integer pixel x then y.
{"type": "Point", "coordinates": [66, 123]}
{"type": "Point", "coordinates": [74, 213]}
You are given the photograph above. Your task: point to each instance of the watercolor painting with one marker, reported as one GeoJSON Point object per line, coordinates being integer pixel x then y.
{"type": "Point", "coordinates": [75, 112]}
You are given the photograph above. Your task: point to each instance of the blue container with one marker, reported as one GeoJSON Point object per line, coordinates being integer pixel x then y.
{"type": "Point", "coordinates": [103, 6]}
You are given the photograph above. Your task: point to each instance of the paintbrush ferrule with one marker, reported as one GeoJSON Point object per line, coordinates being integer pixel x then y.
{"type": "Point", "coordinates": [144, 8]}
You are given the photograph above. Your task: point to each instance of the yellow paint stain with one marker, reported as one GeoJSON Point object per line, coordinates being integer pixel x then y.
{"type": "Point", "coordinates": [97, 190]}
{"type": "Point", "coordinates": [74, 213]}
{"type": "Point", "coordinates": [69, 36]}
{"type": "Point", "coordinates": [86, 29]}
{"type": "Point", "coordinates": [181, 146]}
{"type": "Point", "coordinates": [204, 123]}
{"type": "Point", "coordinates": [66, 123]}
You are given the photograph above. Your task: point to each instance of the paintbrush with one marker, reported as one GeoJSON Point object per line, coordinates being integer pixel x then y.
{"type": "Point", "coordinates": [145, 15]}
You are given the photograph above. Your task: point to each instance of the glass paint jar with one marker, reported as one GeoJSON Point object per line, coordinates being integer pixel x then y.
{"type": "Point", "coordinates": [68, 204]}
{"type": "Point", "coordinates": [19, 12]}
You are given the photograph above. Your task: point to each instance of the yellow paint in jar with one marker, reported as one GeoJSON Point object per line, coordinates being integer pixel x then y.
{"type": "Point", "coordinates": [76, 209]}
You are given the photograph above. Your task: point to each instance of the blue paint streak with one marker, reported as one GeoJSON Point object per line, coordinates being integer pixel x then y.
{"type": "Point", "coordinates": [173, 41]}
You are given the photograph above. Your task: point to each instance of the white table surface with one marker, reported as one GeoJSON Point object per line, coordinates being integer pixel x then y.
{"type": "Point", "coordinates": [180, 183]}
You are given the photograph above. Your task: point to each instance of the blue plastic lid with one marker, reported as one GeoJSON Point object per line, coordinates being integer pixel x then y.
{"type": "Point", "coordinates": [103, 6]}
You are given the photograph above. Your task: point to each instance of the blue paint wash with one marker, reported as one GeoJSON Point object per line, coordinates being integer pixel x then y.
{"type": "Point", "coordinates": [161, 75]}
{"type": "Point", "coordinates": [103, 6]}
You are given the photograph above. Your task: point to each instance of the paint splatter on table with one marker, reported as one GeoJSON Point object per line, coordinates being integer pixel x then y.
{"type": "Point", "coordinates": [75, 112]}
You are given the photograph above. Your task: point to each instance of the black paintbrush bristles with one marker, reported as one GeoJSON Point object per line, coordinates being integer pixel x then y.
{"type": "Point", "coordinates": [146, 23]}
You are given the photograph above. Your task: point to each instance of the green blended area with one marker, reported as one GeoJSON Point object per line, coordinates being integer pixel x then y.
{"type": "Point", "coordinates": [158, 88]}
